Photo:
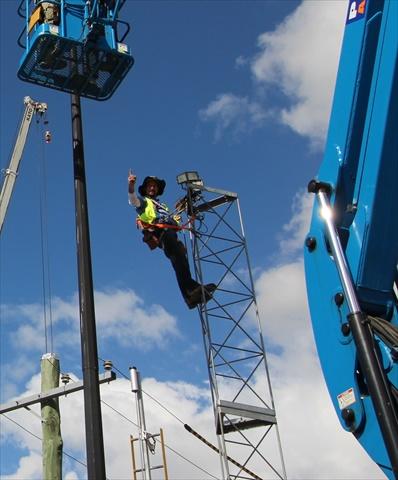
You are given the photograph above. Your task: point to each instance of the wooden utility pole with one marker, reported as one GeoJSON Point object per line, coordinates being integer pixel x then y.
{"type": "Point", "coordinates": [51, 421]}
{"type": "Point", "coordinates": [45, 398]}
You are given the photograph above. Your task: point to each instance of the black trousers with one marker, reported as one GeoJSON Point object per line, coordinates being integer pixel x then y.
{"type": "Point", "coordinates": [175, 251]}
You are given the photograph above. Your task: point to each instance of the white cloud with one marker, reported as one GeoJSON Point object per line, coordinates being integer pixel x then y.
{"type": "Point", "coordinates": [241, 61]}
{"type": "Point", "coordinates": [121, 312]}
{"type": "Point", "coordinates": [118, 314]}
{"type": "Point", "coordinates": [294, 232]}
{"type": "Point", "coordinates": [29, 467]}
{"type": "Point", "coordinates": [298, 59]}
{"type": "Point", "coordinates": [282, 294]}
{"type": "Point", "coordinates": [189, 402]}
{"type": "Point", "coordinates": [20, 437]}
{"type": "Point", "coordinates": [232, 113]}
{"type": "Point", "coordinates": [18, 369]}
{"type": "Point", "coordinates": [121, 308]}
{"type": "Point", "coordinates": [71, 476]}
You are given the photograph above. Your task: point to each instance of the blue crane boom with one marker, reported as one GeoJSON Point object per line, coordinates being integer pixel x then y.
{"type": "Point", "coordinates": [351, 252]}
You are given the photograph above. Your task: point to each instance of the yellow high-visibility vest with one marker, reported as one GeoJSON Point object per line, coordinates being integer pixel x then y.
{"type": "Point", "coordinates": [149, 214]}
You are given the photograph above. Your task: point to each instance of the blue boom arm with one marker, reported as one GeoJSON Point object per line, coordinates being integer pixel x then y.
{"type": "Point", "coordinates": [351, 250]}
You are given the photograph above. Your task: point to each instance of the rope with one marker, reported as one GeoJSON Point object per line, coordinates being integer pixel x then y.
{"type": "Point", "coordinates": [45, 262]}
{"type": "Point", "coordinates": [213, 447]}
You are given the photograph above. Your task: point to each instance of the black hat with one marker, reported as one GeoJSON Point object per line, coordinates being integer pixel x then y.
{"type": "Point", "coordinates": [160, 183]}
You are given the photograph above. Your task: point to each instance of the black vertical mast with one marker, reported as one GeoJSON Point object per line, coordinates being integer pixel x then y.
{"type": "Point", "coordinates": [92, 405]}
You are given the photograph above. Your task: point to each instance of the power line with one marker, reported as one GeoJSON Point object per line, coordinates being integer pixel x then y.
{"type": "Point", "coordinates": [119, 413]}
{"type": "Point", "coordinates": [150, 396]}
{"type": "Point", "coordinates": [39, 438]}
{"type": "Point", "coordinates": [44, 237]}
{"type": "Point", "coordinates": [167, 410]}
{"type": "Point", "coordinates": [125, 418]}
{"type": "Point", "coordinates": [167, 446]}
{"type": "Point", "coordinates": [197, 466]}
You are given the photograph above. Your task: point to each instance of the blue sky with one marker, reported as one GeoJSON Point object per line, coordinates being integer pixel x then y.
{"type": "Point", "coordinates": [241, 92]}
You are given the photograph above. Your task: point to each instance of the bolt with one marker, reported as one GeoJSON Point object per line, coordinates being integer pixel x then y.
{"type": "Point", "coordinates": [310, 243]}
{"type": "Point", "coordinates": [348, 416]}
{"type": "Point", "coordinates": [346, 329]}
{"type": "Point", "coordinates": [339, 299]}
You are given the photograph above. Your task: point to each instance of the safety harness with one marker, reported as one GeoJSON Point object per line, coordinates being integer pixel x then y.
{"type": "Point", "coordinates": [153, 232]}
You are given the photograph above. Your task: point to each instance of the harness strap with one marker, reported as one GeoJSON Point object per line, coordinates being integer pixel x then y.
{"type": "Point", "coordinates": [146, 226]}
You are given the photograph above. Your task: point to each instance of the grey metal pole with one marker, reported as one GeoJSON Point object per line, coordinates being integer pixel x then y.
{"type": "Point", "coordinates": [136, 388]}
{"type": "Point", "coordinates": [338, 253]}
{"type": "Point", "coordinates": [92, 404]}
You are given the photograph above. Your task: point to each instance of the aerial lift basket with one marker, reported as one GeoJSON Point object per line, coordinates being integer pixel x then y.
{"type": "Point", "coordinates": [74, 50]}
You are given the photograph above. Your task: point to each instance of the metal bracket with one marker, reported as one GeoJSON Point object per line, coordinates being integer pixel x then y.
{"type": "Point", "coordinates": [53, 393]}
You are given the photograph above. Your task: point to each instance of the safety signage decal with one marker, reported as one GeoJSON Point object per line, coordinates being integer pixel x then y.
{"type": "Point", "coordinates": [356, 10]}
{"type": "Point", "coordinates": [346, 398]}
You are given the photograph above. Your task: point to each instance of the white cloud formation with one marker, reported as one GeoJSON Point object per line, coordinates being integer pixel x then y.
{"type": "Point", "coordinates": [233, 113]}
{"type": "Point", "coordinates": [29, 467]}
{"type": "Point", "coordinates": [18, 369]}
{"type": "Point", "coordinates": [293, 233]}
{"type": "Point", "coordinates": [187, 457]}
{"type": "Point", "coordinates": [120, 312]}
{"type": "Point", "coordinates": [121, 308]}
{"type": "Point", "coordinates": [298, 59]}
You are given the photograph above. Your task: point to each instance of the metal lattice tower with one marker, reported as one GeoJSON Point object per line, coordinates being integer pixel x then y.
{"type": "Point", "coordinates": [245, 418]}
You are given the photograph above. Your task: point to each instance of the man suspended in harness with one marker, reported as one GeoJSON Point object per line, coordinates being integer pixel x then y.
{"type": "Point", "coordinates": [160, 230]}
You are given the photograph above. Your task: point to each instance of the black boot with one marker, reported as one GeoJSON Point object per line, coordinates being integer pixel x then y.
{"type": "Point", "coordinates": [194, 298]}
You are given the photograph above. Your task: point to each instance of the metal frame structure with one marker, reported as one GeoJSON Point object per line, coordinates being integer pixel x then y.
{"type": "Point", "coordinates": [240, 384]}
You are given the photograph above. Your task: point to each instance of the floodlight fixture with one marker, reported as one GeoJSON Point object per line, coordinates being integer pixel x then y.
{"type": "Point", "coordinates": [189, 177]}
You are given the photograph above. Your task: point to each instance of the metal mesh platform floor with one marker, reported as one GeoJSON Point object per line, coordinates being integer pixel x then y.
{"type": "Point", "coordinates": [64, 64]}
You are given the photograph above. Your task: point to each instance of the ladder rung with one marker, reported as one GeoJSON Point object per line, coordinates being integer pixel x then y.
{"type": "Point", "coordinates": [139, 470]}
